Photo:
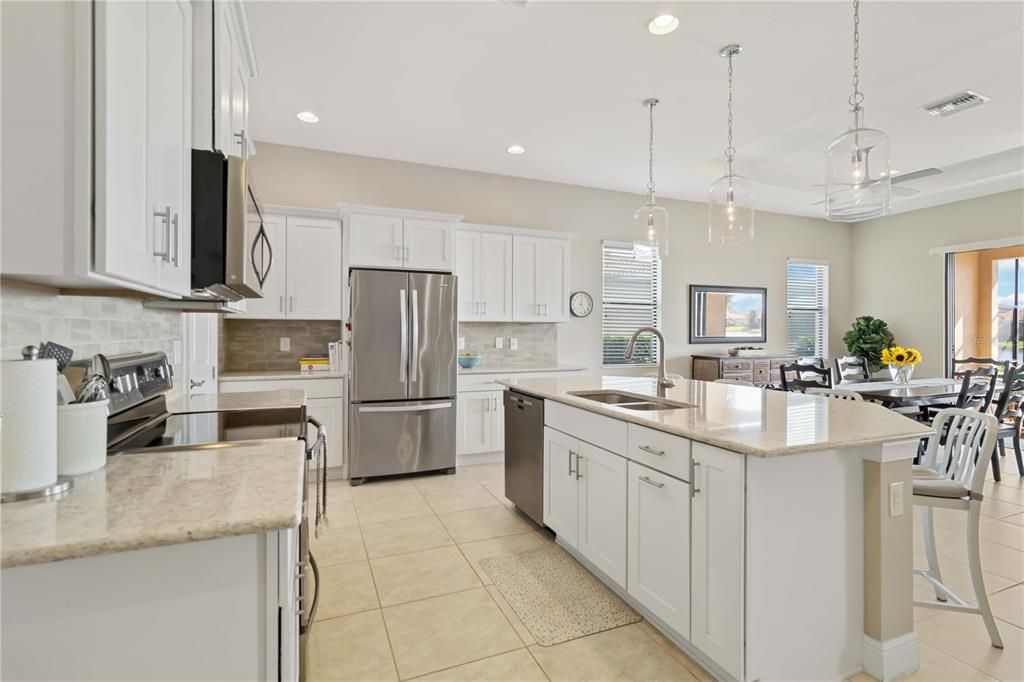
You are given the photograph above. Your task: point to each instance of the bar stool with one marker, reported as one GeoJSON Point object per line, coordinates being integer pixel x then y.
{"type": "Point", "coordinates": [952, 476]}
{"type": "Point", "coordinates": [836, 394]}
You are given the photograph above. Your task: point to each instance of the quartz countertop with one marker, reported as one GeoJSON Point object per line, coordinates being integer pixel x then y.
{"type": "Point", "coordinates": [147, 500]}
{"type": "Point", "coordinates": [743, 419]}
{"type": "Point", "coordinates": [274, 374]}
{"type": "Point", "coordinates": [248, 400]}
{"type": "Point", "coordinates": [522, 370]}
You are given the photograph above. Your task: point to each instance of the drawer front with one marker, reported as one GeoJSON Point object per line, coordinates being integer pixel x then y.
{"type": "Point", "coordinates": [736, 365]}
{"type": "Point", "coordinates": [783, 361]}
{"type": "Point", "coordinates": [604, 432]}
{"type": "Point", "coordinates": [660, 451]}
{"type": "Point", "coordinates": [314, 388]}
{"type": "Point", "coordinates": [746, 376]}
{"type": "Point", "coordinates": [762, 365]}
{"type": "Point", "coordinates": [471, 386]}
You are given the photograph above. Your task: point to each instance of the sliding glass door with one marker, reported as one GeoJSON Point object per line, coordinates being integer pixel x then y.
{"type": "Point", "coordinates": [1009, 322]}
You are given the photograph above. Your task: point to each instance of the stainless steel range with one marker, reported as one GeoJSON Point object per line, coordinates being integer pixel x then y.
{"type": "Point", "coordinates": [139, 422]}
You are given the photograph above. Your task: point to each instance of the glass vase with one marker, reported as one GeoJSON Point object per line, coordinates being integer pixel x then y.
{"type": "Point", "coordinates": [901, 374]}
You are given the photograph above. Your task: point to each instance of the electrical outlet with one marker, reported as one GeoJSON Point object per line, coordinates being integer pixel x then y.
{"type": "Point", "coordinates": [513, 343]}
{"type": "Point", "coordinates": [286, 343]}
{"type": "Point", "coordinates": [462, 343]}
{"type": "Point", "coordinates": [896, 498]}
{"type": "Point", "coordinates": [499, 342]}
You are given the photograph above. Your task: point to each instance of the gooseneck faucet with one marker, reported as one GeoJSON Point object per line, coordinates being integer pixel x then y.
{"type": "Point", "coordinates": [663, 381]}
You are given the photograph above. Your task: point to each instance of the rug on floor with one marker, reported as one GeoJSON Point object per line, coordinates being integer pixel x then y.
{"type": "Point", "coordinates": [555, 597]}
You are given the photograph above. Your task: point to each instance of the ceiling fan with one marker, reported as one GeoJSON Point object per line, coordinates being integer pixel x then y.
{"type": "Point", "coordinates": [899, 179]}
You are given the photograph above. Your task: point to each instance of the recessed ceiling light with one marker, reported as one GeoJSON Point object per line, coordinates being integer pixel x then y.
{"type": "Point", "coordinates": [307, 117]}
{"type": "Point", "coordinates": [516, 149]}
{"type": "Point", "coordinates": [663, 24]}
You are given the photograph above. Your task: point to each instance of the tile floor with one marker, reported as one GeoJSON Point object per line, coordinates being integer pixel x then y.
{"type": "Point", "coordinates": [404, 596]}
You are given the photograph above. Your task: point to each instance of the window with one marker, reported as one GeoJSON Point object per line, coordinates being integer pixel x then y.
{"type": "Point", "coordinates": [807, 308]}
{"type": "Point", "coordinates": [1009, 322]}
{"type": "Point", "coordinates": [631, 299]}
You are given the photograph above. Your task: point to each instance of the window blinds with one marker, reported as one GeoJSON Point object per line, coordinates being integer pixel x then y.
{"type": "Point", "coordinates": [631, 299]}
{"type": "Point", "coordinates": [807, 308]}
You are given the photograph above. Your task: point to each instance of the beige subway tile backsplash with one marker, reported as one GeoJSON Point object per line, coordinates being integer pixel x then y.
{"type": "Point", "coordinates": [254, 345]}
{"type": "Point", "coordinates": [538, 344]}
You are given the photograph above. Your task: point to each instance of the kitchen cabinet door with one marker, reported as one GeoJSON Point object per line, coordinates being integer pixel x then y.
{"type": "Point", "coordinates": [467, 269]}
{"type": "Point", "coordinates": [602, 515]}
{"type": "Point", "coordinates": [314, 269]}
{"type": "Point", "coordinates": [427, 245]}
{"type": "Point", "coordinates": [717, 559]}
{"type": "Point", "coordinates": [169, 133]}
{"type": "Point", "coordinates": [561, 489]}
{"type": "Point", "coordinates": [474, 422]}
{"type": "Point", "coordinates": [658, 566]}
{"type": "Point", "coordinates": [497, 421]}
{"type": "Point", "coordinates": [553, 266]}
{"type": "Point", "coordinates": [328, 411]}
{"type": "Point", "coordinates": [526, 279]}
{"type": "Point", "coordinates": [272, 305]}
{"type": "Point", "coordinates": [495, 277]}
{"type": "Point", "coordinates": [375, 241]}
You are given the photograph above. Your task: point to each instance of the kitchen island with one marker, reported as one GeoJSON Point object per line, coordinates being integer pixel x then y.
{"type": "Point", "coordinates": [766, 533]}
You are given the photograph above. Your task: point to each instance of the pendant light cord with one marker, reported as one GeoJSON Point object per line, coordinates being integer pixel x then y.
{"type": "Point", "coordinates": [650, 153]}
{"type": "Point", "coordinates": [730, 151]}
{"type": "Point", "coordinates": [857, 97]}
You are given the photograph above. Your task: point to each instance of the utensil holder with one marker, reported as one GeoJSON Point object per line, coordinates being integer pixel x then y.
{"type": "Point", "coordinates": [81, 437]}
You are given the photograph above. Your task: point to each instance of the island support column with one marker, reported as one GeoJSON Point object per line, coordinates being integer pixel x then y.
{"type": "Point", "coordinates": [890, 643]}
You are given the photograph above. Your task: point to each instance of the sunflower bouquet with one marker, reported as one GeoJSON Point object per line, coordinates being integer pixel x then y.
{"type": "Point", "coordinates": [901, 362]}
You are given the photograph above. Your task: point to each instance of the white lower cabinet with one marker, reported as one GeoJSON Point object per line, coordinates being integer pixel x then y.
{"type": "Point", "coordinates": [480, 423]}
{"type": "Point", "coordinates": [329, 411]}
{"type": "Point", "coordinates": [561, 488]}
{"type": "Point", "coordinates": [659, 545]}
{"type": "Point", "coordinates": [717, 556]}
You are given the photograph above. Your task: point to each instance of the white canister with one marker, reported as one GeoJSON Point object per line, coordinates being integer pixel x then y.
{"type": "Point", "coordinates": [81, 437]}
{"type": "Point", "coordinates": [28, 456]}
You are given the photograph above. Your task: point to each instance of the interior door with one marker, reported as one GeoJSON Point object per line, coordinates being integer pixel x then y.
{"type": "Point", "coordinates": [314, 269]}
{"type": "Point", "coordinates": [602, 516]}
{"type": "Point", "coordinates": [432, 330]}
{"type": "Point", "coordinates": [272, 305]}
{"type": "Point", "coordinates": [378, 357]}
{"type": "Point", "coordinates": [467, 270]}
{"type": "Point", "coordinates": [202, 351]}
{"type": "Point", "coordinates": [561, 489]}
{"type": "Point", "coordinates": [496, 276]}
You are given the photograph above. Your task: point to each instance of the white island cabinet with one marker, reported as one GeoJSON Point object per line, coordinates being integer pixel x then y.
{"type": "Point", "coordinates": [742, 523]}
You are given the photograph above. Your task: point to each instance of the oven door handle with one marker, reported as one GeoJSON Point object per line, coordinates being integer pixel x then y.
{"type": "Point", "coordinates": [311, 616]}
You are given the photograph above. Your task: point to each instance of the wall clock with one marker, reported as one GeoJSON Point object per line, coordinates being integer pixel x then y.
{"type": "Point", "coordinates": [581, 304]}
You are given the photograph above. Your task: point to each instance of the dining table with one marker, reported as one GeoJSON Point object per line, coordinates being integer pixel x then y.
{"type": "Point", "coordinates": [916, 392]}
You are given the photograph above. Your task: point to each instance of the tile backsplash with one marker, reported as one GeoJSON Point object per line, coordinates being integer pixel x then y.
{"type": "Point", "coordinates": [538, 344]}
{"type": "Point", "coordinates": [87, 324]}
{"type": "Point", "coordinates": [254, 345]}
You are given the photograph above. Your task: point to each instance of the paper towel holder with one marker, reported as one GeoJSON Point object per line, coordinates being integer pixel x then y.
{"type": "Point", "coordinates": [54, 491]}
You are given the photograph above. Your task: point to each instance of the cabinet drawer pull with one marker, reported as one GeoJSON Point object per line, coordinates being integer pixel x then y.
{"type": "Point", "coordinates": [578, 474]}
{"type": "Point", "coordinates": [280, 303]}
{"type": "Point", "coordinates": [693, 477]}
{"type": "Point", "coordinates": [652, 451]}
{"type": "Point", "coordinates": [571, 455]}
{"type": "Point", "coordinates": [654, 483]}
{"type": "Point", "coordinates": [398, 253]}
{"type": "Point", "coordinates": [165, 218]}
{"type": "Point", "coordinates": [177, 241]}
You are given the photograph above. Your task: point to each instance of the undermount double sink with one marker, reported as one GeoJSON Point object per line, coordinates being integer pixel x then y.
{"type": "Point", "coordinates": [631, 401]}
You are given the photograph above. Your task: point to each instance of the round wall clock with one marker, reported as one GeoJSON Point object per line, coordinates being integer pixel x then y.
{"type": "Point", "coordinates": [581, 304]}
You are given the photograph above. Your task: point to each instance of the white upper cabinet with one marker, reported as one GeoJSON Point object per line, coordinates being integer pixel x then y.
{"type": "Point", "coordinates": [380, 240]}
{"type": "Point", "coordinates": [496, 276]}
{"type": "Point", "coordinates": [272, 305]}
{"type": "Point", "coordinates": [427, 245]}
{"type": "Point", "coordinates": [467, 270]}
{"type": "Point", "coordinates": [540, 287]}
{"type": "Point", "coordinates": [375, 241]}
{"type": "Point", "coordinates": [314, 269]}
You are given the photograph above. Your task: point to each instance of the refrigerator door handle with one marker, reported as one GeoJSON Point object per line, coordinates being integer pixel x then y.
{"type": "Point", "coordinates": [415, 346]}
{"type": "Point", "coordinates": [403, 359]}
{"type": "Point", "coordinates": [404, 408]}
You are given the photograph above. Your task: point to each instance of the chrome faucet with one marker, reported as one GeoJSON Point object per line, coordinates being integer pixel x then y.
{"type": "Point", "coordinates": [663, 381]}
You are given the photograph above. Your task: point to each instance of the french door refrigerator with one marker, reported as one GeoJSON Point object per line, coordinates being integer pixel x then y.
{"type": "Point", "coordinates": [402, 380]}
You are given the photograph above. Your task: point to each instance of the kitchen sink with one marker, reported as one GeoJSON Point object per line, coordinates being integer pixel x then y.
{"type": "Point", "coordinates": [631, 401]}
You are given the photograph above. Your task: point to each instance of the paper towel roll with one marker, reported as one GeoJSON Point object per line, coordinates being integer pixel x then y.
{"type": "Point", "coordinates": [29, 454]}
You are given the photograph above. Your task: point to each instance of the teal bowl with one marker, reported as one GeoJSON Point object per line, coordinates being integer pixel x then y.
{"type": "Point", "coordinates": [469, 361]}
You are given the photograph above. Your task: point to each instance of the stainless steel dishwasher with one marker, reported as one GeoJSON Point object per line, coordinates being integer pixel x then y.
{"type": "Point", "coordinates": [524, 453]}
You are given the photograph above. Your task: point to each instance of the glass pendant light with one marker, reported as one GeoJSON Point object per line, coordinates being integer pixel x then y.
{"type": "Point", "coordinates": [650, 219]}
{"type": "Point", "coordinates": [857, 178]}
{"type": "Point", "coordinates": [731, 197]}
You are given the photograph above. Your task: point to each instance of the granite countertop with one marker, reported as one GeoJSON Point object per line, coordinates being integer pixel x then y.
{"type": "Point", "coordinates": [748, 420]}
{"type": "Point", "coordinates": [272, 374]}
{"type": "Point", "coordinates": [161, 498]}
{"type": "Point", "coordinates": [522, 370]}
{"type": "Point", "coordinates": [249, 400]}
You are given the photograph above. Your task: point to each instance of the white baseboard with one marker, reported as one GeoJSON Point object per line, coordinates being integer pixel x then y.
{"type": "Point", "coordinates": [480, 458]}
{"type": "Point", "coordinates": [889, 659]}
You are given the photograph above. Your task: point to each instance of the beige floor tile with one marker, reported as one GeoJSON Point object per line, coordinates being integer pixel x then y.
{"type": "Point", "coordinates": [1007, 491]}
{"type": "Point", "coordinates": [344, 589]}
{"type": "Point", "coordinates": [391, 508]}
{"type": "Point", "coordinates": [691, 665]}
{"type": "Point", "coordinates": [1009, 605]}
{"type": "Point", "coordinates": [441, 483]}
{"type": "Point", "coordinates": [862, 677]}
{"type": "Point", "coordinates": [957, 576]}
{"type": "Point", "coordinates": [442, 632]}
{"type": "Point", "coordinates": [510, 614]}
{"type": "Point", "coordinates": [964, 637]}
{"type": "Point", "coordinates": [1016, 519]}
{"type": "Point", "coordinates": [624, 653]}
{"type": "Point", "coordinates": [996, 558]}
{"type": "Point", "coordinates": [351, 648]}
{"type": "Point", "coordinates": [515, 665]}
{"type": "Point", "coordinates": [384, 488]}
{"type": "Point", "coordinates": [488, 474]}
{"type": "Point", "coordinates": [420, 575]}
{"type": "Point", "coordinates": [342, 513]}
{"type": "Point", "coordinates": [338, 545]}
{"type": "Point", "coordinates": [481, 524]}
{"type": "Point", "coordinates": [508, 544]}
{"type": "Point", "coordinates": [499, 492]}
{"type": "Point", "coordinates": [338, 490]}
{"type": "Point", "coordinates": [935, 665]}
{"type": "Point", "coordinates": [998, 509]}
{"type": "Point", "coordinates": [1003, 533]}
{"type": "Point", "coordinates": [460, 500]}
{"type": "Point", "coordinates": [404, 536]}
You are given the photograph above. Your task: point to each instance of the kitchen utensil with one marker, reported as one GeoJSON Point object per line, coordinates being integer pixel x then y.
{"type": "Point", "coordinates": [81, 437]}
{"type": "Point", "coordinates": [101, 366]}
{"type": "Point", "coordinates": [94, 388]}
{"type": "Point", "coordinates": [65, 395]}
{"type": "Point", "coordinates": [62, 354]}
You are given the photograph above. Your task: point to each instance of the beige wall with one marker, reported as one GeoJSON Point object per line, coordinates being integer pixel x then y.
{"type": "Point", "coordinates": [316, 179]}
{"type": "Point", "coordinates": [895, 278]}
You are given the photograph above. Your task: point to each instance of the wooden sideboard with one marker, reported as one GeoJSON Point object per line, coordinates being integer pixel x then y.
{"type": "Point", "coordinates": [760, 370]}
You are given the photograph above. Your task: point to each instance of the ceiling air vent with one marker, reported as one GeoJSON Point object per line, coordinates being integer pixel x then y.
{"type": "Point", "coordinates": [954, 104]}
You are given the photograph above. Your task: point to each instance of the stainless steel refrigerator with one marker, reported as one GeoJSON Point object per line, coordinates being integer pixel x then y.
{"type": "Point", "coordinates": [402, 381]}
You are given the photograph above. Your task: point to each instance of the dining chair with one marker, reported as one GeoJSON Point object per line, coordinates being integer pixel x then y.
{"type": "Point", "coordinates": [804, 376]}
{"type": "Point", "coordinates": [836, 393]}
{"type": "Point", "coordinates": [962, 366]}
{"type": "Point", "coordinates": [852, 368]}
{"type": "Point", "coordinates": [1008, 411]}
{"type": "Point", "coordinates": [736, 382]}
{"type": "Point", "coordinates": [953, 477]}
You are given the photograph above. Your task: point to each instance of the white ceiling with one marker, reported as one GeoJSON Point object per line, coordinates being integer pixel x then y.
{"type": "Point", "coordinates": [454, 83]}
